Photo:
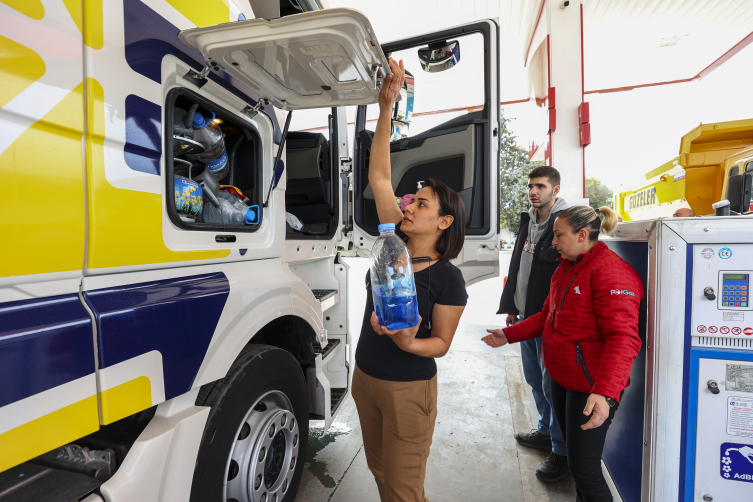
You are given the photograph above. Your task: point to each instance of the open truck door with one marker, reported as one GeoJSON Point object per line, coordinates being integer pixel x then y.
{"type": "Point", "coordinates": [317, 59]}
{"type": "Point", "coordinates": [459, 145]}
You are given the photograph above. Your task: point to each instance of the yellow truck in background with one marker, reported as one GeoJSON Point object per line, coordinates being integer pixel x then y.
{"type": "Point", "coordinates": [709, 156]}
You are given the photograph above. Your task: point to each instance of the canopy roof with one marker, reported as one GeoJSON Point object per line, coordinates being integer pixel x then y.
{"type": "Point", "coordinates": [627, 43]}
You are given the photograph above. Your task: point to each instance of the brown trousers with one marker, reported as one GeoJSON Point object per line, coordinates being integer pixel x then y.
{"type": "Point", "coordinates": [397, 422]}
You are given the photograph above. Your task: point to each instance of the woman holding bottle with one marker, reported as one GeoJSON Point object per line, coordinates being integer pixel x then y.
{"type": "Point", "coordinates": [395, 379]}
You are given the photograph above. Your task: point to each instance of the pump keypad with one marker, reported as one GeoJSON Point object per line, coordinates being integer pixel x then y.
{"type": "Point", "coordinates": [735, 288]}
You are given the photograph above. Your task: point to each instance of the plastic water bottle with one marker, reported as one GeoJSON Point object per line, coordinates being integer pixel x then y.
{"type": "Point", "coordinates": [209, 134]}
{"type": "Point", "coordinates": [231, 211]}
{"type": "Point", "coordinates": [392, 285]}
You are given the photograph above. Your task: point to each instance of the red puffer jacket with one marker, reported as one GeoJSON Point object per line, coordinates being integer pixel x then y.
{"type": "Point", "coordinates": [589, 323]}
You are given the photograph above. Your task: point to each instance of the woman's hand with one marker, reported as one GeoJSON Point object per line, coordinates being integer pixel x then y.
{"type": "Point", "coordinates": [404, 338]}
{"type": "Point", "coordinates": [391, 87]}
{"type": "Point", "coordinates": [598, 405]}
{"type": "Point", "coordinates": [495, 338]}
{"type": "Point", "coordinates": [380, 170]}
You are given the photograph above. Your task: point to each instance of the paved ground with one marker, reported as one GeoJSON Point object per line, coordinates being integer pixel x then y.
{"type": "Point", "coordinates": [483, 401]}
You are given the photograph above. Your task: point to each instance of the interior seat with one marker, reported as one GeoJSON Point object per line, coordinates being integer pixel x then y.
{"type": "Point", "coordinates": [308, 186]}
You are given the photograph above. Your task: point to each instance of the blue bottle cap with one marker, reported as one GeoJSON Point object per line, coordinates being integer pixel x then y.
{"type": "Point", "coordinates": [199, 122]}
{"type": "Point", "coordinates": [386, 227]}
{"type": "Point", "coordinates": [252, 215]}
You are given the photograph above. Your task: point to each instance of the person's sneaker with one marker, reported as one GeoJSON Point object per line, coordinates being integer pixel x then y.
{"type": "Point", "coordinates": [553, 469]}
{"type": "Point", "coordinates": [534, 439]}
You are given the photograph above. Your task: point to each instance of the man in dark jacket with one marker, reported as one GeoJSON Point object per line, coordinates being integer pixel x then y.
{"type": "Point", "coordinates": [534, 261]}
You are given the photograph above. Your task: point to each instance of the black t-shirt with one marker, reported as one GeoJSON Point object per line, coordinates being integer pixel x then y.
{"type": "Point", "coordinates": [379, 357]}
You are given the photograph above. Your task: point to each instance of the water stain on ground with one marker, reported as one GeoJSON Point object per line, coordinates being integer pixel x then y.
{"type": "Point", "coordinates": [317, 442]}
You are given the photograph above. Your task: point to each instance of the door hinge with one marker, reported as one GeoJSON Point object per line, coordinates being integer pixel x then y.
{"type": "Point", "coordinates": [251, 111]}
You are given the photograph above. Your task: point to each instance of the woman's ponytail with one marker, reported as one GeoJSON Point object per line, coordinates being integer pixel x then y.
{"type": "Point", "coordinates": [609, 223]}
{"type": "Point", "coordinates": [580, 217]}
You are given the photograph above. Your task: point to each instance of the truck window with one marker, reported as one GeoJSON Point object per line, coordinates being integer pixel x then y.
{"type": "Point", "coordinates": [734, 171]}
{"type": "Point", "coordinates": [749, 166]}
{"type": "Point", "coordinates": [213, 167]}
{"type": "Point", "coordinates": [439, 97]}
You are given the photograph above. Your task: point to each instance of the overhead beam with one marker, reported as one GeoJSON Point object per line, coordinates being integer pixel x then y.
{"type": "Point", "coordinates": [742, 44]}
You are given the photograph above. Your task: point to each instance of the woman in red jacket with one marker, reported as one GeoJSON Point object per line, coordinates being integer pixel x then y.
{"type": "Point", "coordinates": [589, 325]}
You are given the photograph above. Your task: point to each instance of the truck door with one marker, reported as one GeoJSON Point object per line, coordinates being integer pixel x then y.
{"type": "Point", "coordinates": [48, 395]}
{"type": "Point", "coordinates": [318, 59]}
{"type": "Point", "coordinates": [447, 131]}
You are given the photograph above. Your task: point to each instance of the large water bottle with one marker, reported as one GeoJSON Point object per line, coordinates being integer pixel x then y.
{"type": "Point", "coordinates": [209, 134]}
{"type": "Point", "coordinates": [392, 285]}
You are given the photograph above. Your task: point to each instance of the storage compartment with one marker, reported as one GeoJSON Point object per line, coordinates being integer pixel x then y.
{"type": "Point", "coordinates": [208, 196]}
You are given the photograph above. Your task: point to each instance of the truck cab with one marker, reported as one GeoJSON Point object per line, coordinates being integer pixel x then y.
{"type": "Point", "coordinates": [149, 351]}
{"type": "Point", "coordinates": [715, 163]}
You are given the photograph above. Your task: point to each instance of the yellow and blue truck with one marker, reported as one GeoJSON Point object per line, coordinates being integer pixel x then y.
{"type": "Point", "coordinates": [698, 177]}
{"type": "Point", "coordinates": [147, 354]}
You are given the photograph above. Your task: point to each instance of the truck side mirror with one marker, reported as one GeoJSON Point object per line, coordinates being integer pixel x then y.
{"type": "Point", "coordinates": [439, 56]}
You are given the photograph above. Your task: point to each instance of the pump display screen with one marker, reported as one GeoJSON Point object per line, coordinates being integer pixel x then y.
{"type": "Point", "coordinates": [735, 288]}
{"type": "Point", "coordinates": [735, 277]}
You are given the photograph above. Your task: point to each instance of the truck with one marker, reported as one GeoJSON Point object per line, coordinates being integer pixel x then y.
{"type": "Point", "coordinates": [148, 354]}
{"type": "Point", "coordinates": [715, 163]}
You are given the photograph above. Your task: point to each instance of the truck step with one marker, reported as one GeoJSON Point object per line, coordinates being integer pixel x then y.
{"type": "Point", "coordinates": [332, 343]}
{"type": "Point", "coordinates": [337, 398]}
{"type": "Point", "coordinates": [327, 298]}
{"type": "Point", "coordinates": [324, 294]}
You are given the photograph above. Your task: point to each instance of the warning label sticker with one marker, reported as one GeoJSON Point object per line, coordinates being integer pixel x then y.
{"type": "Point", "coordinates": [733, 316]}
{"type": "Point", "coordinates": [739, 378]}
{"type": "Point", "coordinates": [740, 416]}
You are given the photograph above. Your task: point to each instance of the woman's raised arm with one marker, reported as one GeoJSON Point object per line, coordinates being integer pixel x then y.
{"type": "Point", "coordinates": [380, 173]}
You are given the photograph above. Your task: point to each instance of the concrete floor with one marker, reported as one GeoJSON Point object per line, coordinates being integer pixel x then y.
{"type": "Point", "coordinates": [483, 401]}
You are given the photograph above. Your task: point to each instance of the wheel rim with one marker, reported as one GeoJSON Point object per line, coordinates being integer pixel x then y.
{"type": "Point", "coordinates": [264, 455]}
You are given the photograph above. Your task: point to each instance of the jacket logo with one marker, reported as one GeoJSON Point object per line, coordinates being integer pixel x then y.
{"type": "Point", "coordinates": [577, 289]}
{"type": "Point", "coordinates": [529, 247]}
{"type": "Point", "coordinates": [622, 292]}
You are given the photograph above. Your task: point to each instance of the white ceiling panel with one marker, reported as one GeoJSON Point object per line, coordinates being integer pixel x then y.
{"type": "Point", "coordinates": [626, 42]}
{"type": "Point", "coordinates": [638, 42]}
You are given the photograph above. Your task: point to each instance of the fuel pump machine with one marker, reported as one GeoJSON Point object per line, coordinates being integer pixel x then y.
{"type": "Point", "coordinates": [684, 429]}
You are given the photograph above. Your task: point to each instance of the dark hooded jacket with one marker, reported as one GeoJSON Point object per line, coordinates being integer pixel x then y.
{"type": "Point", "coordinates": [546, 259]}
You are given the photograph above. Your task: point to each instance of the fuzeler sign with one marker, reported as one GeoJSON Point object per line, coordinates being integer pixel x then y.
{"type": "Point", "coordinates": [643, 198]}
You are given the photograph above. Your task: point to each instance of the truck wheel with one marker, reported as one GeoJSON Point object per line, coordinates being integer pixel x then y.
{"type": "Point", "coordinates": [254, 444]}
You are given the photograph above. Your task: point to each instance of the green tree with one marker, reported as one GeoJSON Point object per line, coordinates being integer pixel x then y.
{"type": "Point", "coordinates": [599, 194]}
{"type": "Point", "coordinates": [513, 177]}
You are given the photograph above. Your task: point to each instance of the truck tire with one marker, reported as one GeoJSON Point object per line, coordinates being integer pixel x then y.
{"type": "Point", "coordinates": [254, 443]}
